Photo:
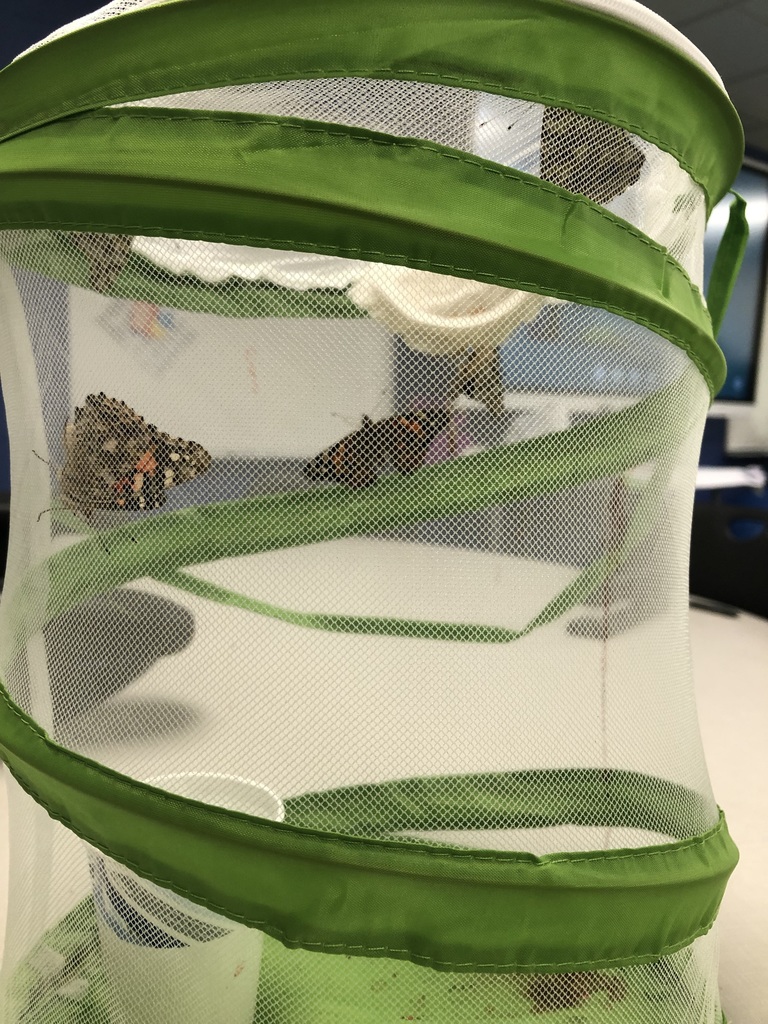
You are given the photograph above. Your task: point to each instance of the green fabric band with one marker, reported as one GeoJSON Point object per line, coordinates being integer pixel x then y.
{"type": "Point", "coordinates": [327, 990]}
{"type": "Point", "coordinates": [307, 885]}
{"type": "Point", "coordinates": [546, 51]}
{"type": "Point", "coordinates": [463, 910]}
{"type": "Point", "coordinates": [290, 184]}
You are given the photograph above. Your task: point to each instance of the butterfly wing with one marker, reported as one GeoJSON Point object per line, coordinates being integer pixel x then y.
{"type": "Point", "coordinates": [107, 256]}
{"type": "Point", "coordinates": [590, 157]}
{"type": "Point", "coordinates": [114, 459]}
{"type": "Point", "coordinates": [410, 437]}
{"type": "Point", "coordinates": [479, 376]}
{"type": "Point", "coordinates": [354, 460]}
{"type": "Point", "coordinates": [91, 461]}
{"type": "Point", "coordinates": [358, 458]}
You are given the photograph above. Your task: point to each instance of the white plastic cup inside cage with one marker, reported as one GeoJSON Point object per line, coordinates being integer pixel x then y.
{"type": "Point", "coordinates": [152, 939]}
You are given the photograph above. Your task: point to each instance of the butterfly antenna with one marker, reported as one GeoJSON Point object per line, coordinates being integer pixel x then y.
{"type": "Point", "coordinates": [42, 460]}
{"type": "Point", "coordinates": [378, 408]}
{"type": "Point", "coordinates": [345, 420]}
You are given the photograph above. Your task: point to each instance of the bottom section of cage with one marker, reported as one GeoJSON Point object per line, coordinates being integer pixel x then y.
{"type": "Point", "coordinates": [113, 961]}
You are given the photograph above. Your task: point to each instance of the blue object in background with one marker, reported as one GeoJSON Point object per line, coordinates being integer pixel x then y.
{"type": "Point", "coordinates": [587, 360]}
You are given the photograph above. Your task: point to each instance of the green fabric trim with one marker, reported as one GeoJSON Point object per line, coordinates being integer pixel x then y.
{"type": "Point", "coordinates": [56, 257]}
{"type": "Point", "coordinates": [159, 546]}
{"type": "Point", "coordinates": [296, 987]}
{"type": "Point", "coordinates": [545, 51]}
{"type": "Point", "coordinates": [291, 184]}
{"type": "Point", "coordinates": [457, 909]}
{"type": "Point", "coordinates": [730, 254]}
{"type": "Point", "coordinates": [504, 800]}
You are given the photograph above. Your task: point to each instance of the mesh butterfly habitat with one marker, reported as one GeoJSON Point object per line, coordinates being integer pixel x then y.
{"type": "Point", "coordinates": [356, 361]}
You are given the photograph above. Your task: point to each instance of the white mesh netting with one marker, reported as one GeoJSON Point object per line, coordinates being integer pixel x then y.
{"type": "Point", "coordinates": [342, 699]}
{"type": "Point", "coordinates": [463, 650]}
{"type": "Point", "coordinates": [407, 552]}
{"type": "Point", "coordinates": [64, 976]}
{"type": "Point", "coordinates": [629, 176]}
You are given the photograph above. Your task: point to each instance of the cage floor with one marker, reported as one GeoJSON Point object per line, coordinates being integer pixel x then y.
{"type": "Point", "coordinates": [296, 987]}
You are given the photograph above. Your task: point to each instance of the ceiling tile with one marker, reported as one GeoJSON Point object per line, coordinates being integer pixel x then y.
{"type": "Point", "coordinates": [750, 95]}
{"type": "Point", "coordinates": [734, 36]}
{"type": "Point", "coordinates": [735, 42]}
{"type": "Point", "coordinates": [757, 140]}
{"type": "Point", "coordinates": [749, 98]}
{"type": "Point", "coordinates": [680, 11]}
{"type": "Point", "coordinates": [756, 8]}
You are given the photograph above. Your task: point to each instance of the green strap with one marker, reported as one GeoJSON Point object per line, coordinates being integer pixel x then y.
{"type": "Point", "coordinates": [547, 51]}
{"type": "Point", "coordinates": [463, 910]}
{"type": "Point", "coordinates": [444, 907]}
{"type": "Point", "coordinates": [303, 185]}
{"type": "Point", "coordinates": [730, 254]}
{"type": "Point", "coordinates": [327, 990]}
{"type": "Point", "coordinates": [538, 798]}
{"type": "Point", "coordinates": [157, 547]}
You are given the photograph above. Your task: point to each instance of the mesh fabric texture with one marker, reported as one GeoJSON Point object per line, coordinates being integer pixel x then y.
{"type": "Point", "coordinates": [495, 652]}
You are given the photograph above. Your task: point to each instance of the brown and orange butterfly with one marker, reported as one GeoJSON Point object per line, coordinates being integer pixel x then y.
{"type": "Point", "coordinates": [115, 460]}
{"type": "Point", "coordinates": [400, 441]}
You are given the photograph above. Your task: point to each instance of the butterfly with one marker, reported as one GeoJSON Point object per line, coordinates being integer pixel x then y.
{"type": "Point", "coordinates": [478, 375]}
{"type": "Point", "coordinates": [401, 441]}
{"type": "Point", "coordinates": [115, 460]}
{"type": "Point", "coordinates": [107, 256]}
{"type": "Point", "coordinates": [595, 159]}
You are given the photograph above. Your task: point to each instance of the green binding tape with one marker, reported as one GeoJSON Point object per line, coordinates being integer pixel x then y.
{"type": "Point", "coordinates": [444, 907]}
{"type": "Point", "coordinates": [730, 254]}
{"type": "Point", "coordinates": [287, 183]}
{"type": "Point", "coordinates": [310, 885]}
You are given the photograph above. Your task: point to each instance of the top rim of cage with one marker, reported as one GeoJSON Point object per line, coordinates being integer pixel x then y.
{"type": "Point", "coordinates": [628, 10]}
{"type": "Point", "coordinates": [606, 59]}
{"type": "Point", "coordinates": [71, 161]}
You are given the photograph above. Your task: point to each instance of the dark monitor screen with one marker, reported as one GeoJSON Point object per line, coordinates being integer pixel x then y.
{"type": "Point", "coordinates": [740, 332]}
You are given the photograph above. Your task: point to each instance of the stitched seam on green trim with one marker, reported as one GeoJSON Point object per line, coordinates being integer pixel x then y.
{"type": "Point", "coordinates": [471, 83]}
{"type": "Point", "coordinates": [429, 851]}
{"type": "Point", "coordinates": [335, 250]}
{"type": "Point", "coordinates": [538, 184]}
{"type": "Point", "coordinates": [341, 946]}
